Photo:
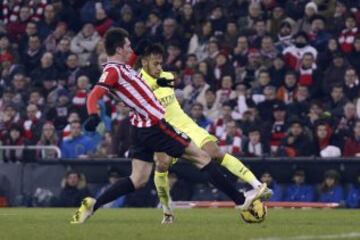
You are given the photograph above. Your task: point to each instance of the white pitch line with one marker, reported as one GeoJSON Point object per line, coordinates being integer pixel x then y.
{"type": "Point", "coordinates": [314, 237]}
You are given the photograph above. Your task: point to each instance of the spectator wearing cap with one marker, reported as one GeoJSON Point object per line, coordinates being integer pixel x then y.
{"type": "Point", "coordinates": [48, 138]}
{"type": "Point", "coordinates": [318, 36]}
{"type": "Point", "coordinates": [32, 54]}
{"type": "Point", "coordinates": [84, 43]}
{"type": "Point", "coordinates": [278, 126]}
{"type": "Point", "coordinates": [353, 196]}
{"type": "Point", "coordinates": [325, 57]}
{"type": "Point", "coordinates": [255, 146]}
{"type": "Point", "coordinates": [33, 124]}
{"type": "Point", "coordinates": [296, 143]}
{"type": "Point", "coordinates": [197, 114]}
{"type": "Point", "coordinates": [211, 107]}
{"type": "Point", "coordinates": [294, 54]}
{"type": "Point", "coordinates": [352, 144]}
{"type": "Point", "coordinates": [330, 189]}
{"type": "Point", "coordinates": [14, 138]}
{"type": "Point", "coordinates": [354, 55]}
{"type": "Point", "coordinates": [78, 144]}
{"type": "Point", "coordinates": [347, 35]}
{"type": "Point", "coordinates": [46, 71]}
{"type": "Point", "coordinates": [286, 93]}
{"type": "Point", "coordinates": [351, 84]}
{"type": "Point", "coordinates": [114, 175]}
{"type": "Point", "coordinates": [55, 36]}
{"type": "Point", "coordinates": [299, 191]}
{"type": "Point", "coordinates": [232, 140]}
{"type": "Point", "coordinates": [337, 100]}
{"type": "Point", "coordinates": [284, 36]}
{"type": "Point", "coordinates": [304, 24]}
{"type": "Point", "coordinates": [278, 192]}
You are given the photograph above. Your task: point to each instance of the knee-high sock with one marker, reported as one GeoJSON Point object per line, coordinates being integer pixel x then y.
{"type": "Point", "coordinates": [236, 167]}
{"type": "Point", "coordinates": [218, 179]}
{"type": "Point", "coordinates": [118, 189]}
{"type": "Point", "coordinates": [163, 190]}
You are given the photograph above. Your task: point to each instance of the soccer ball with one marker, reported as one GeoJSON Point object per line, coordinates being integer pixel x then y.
{"type": "Point", "coordinates": [255, 214]}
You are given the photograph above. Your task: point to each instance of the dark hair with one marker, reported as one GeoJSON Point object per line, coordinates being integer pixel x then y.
{"type": "Point", "coordinates": [114, 38]}
{"type": "Point", "coordinates": [197, 104]}
{"type": "Point", "coordinates": [154, 49]}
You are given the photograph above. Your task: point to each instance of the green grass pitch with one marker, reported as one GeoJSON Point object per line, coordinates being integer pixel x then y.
{"type": "Point", "coordinates": [197, 224]}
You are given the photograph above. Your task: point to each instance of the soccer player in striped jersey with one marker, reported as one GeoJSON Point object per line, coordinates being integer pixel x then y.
{"type": "Point", "coordinates": [161, 83]}
{"type": "Point", "coordinates": [150, 132]}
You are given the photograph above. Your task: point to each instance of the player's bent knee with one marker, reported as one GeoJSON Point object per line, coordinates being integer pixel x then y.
{"type": "Point", "coordinates": [139, 180]}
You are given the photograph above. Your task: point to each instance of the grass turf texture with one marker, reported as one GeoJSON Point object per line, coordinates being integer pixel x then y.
{"type": "Point", "coordinates": [201, 224]}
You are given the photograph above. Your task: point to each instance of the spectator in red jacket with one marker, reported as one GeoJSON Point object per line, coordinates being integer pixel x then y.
{"type": "Point", "coordinates": [352, 145]}
{"type": "Point", "coordinates": [347, 36]}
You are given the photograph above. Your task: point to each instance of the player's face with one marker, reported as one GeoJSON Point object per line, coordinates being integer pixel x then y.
{"type": "Point", "coordinates": [126, 50]}
{"type": "Point", "coordinates": [153, 65]}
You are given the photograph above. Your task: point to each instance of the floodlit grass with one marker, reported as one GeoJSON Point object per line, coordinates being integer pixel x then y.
{"type": "Point", "coordinates": [197, 224]}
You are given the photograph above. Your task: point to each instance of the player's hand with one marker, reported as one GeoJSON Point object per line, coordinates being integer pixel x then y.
{"type": "Point", "coordinates": [141, 46]}
{"type": "Point", "coordinates": [92, 122]}
{"type": "Point", "coordinates": [163, 82]}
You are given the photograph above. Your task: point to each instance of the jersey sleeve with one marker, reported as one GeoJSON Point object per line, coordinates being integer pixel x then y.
{"type": "Point", "coordinates": [107, 80]}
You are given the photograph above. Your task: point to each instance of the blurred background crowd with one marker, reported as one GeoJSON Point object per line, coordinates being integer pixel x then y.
{"type": "Point", "coordinates": [267, 77]}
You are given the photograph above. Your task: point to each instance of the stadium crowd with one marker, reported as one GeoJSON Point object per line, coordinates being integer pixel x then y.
{"type": "Point", "coordinates": [267, 77]}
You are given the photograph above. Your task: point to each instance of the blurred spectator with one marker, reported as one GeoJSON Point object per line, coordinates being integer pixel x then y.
{"type": "Point", "coordinates": [226, 92]}
{"type": "Point", "coordinates": [352, 144]}
{"type": "Point", "coordinates": [207, 192]}
{"type": "Point", "coordinates": [195, 92]}
{"type": "Point", "coordinates": [121, 129]}
{"type": "Point", "coordinates": [8, 117]}
{"type": "Point", "coordinates": [337, 100]}
{"type": "Point", "coordinates": [265, 107]}
{"type": "Point", "coordinates": [48, 24]}
{"type": "Point", "coordinates": [217, 128]}
{"type": "Point", "coordinates": [232, 140]}
{"type": "Point", "coordinates": [335, 72]}
{"type": "Point", "coordinates": [77, 145]}
{"type": "Point", "coordinates": [352, 84]}
{"type": "Point", "coordinates": [103, 22]}
{"type": "Point", "coordinates": [33, 124]}
{"type": "Point", "coordinates": [32, 54]}
{"type": "Point", "coordinates": [197, 114]}
{"type": "Point", "coordinates": [347, 35]}
{"type": "Point", "coordinates": [330, 189]}
{"type": "Point", "coordinates": [286, 93]}
{"type": "Point", "coordinates": [72, 117]}
{"type": "Point", "coordinates": [46, 71]}
{"type": "Point", "coordinates": [267, 178]}
{"type": "Point", "coordinates": [299, 191]}
{"type": "Point", "coordinates": [323, 137]}
{"type": "Point", "coordinates": [15, 138]}
{"type": "Point", "coordinates": [59, 113]}
{"type": "Point", "coordinates": [318, 35]}
{"type": "Point", "coordinates": [296, 143]}
{"type": "Point", "coordinates": [211, 107]}
{"type": "Point", "coordinates": [353, 196]}
{"type": "Point", "coordinates": [255, 146]}
{"type": "Point", "coordinates": [304, 24]}
{"type": "Point", "coordinates": [326, 56]}
{"type": "Point", "coordinates": [54, 37]}
{"type": "Point", "coordinates": [6, 52]}
{"type": "Point", "coordinates": [354, 55]}
{"type": "Point", "coordinates": [284, 36]}
{"type": "Point", "coordinates": [73, 190]}
{"type": "Point", "coordinates": [113, 176]}
{"type": "Point", "coordinates": [84, 43]}
{"type": "Point", "coordinates": [309, 75]}
{"type": "Point", "coordinates": [16, 27]}
{"type": "Point", "coordinates": [79, 99]}
{"type": "Point", "coordinates": [278, 126]}
{"type": "Point", "coordinates": [48, 138]}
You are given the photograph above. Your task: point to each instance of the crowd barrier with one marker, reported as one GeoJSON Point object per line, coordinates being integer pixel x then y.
{"type": "Point", "coordinates": [19, 181]}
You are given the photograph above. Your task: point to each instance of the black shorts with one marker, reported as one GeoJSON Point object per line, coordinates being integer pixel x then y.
{"type": "Point", "coordinates": [161, 137]}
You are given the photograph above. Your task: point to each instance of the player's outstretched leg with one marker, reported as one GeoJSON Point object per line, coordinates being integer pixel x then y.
{"type": "Point", "coordinates": [163, 162]}
{"type": "Point", "coordinates": [235, 166]}
{"type": "Point", "coordinates": [217, 178]}
{"type": "Point", "coordinates": [141, 171]}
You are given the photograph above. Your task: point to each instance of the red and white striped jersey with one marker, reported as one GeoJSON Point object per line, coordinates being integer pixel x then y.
{"type": "Point", "coordinates": [124, 83]}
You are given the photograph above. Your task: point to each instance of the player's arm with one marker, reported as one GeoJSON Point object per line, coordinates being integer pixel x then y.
{"type": "Point", "coordinates": [106, 82]}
